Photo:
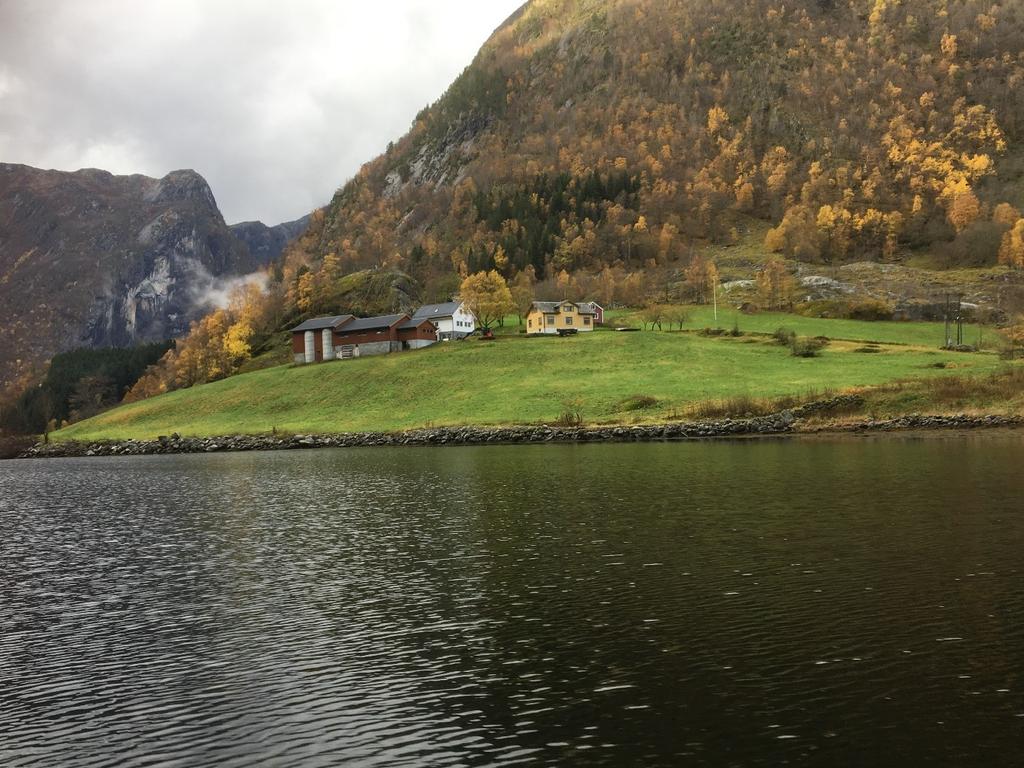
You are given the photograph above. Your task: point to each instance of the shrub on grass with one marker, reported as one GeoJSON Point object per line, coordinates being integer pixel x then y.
{"type": "Point", "coordinates": [737, 405]}
{"type": "Point", "coordinates": [998, 387]}
{"type": "Point", "coordinates": [870, 309]}
{"type": "Point", "coordinates": [784, 336]}
{"type": "Point", "coordinates": [806, 347]}
{"type": "Point", "coordinates": [638, 403]}
{"type": "Point", "coordinates": [569, 419]}
{"type": "Point", "coordinates": [571, 415]}
{"type": "Point", "coordinates": [849, 309]}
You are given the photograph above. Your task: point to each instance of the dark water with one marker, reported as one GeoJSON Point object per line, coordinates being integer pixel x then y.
{"type": "Point", "coordinates": [748, 604]}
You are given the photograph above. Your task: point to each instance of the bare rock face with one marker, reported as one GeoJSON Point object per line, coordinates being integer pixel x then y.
{"type": "Point", "coordinates": [266, 243]}
{"type": "Point", "coordinates": [92, 259]}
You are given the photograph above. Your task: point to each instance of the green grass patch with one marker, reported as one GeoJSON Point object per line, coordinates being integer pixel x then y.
{"type": "Point", "coordinates": [516, 380]}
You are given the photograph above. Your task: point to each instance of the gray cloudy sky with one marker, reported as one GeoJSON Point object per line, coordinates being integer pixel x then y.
{"type": "Point", "coordinates": [275, 103]}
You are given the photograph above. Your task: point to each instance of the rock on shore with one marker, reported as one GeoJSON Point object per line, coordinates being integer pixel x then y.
{"type": "Point", "coordinates": [785, 422]}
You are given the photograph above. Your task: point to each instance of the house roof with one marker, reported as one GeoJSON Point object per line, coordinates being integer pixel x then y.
{"type": "Point", "coordinates": [372, 323]}
{"type": "Point", "coordinates": [555, 306]}
{"type": "Point", "coordinates": [438, 310]}
{"type": "Point", "coordinates": [415, 322]}
{"type": "Point", "coordinates": [320, 323]}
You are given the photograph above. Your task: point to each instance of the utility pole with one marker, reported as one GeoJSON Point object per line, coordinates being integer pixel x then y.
{"type": "Point", "coordinates": [949, 341]}
{"type": "Point", "coordinates": [959, 320]}
{"type": "Point", "coordinates": [714, 295]}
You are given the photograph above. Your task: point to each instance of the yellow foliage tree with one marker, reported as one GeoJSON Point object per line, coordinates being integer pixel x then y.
{"type": "Point", "coordinates": [305, 292]}
{"type": "Point", "coordinates": [964, 209]}
{"type": "Point", "coordinates": [701, 277]}
{"type": "Point", "coordinates": [1011, 252]}
{"type": "Point", "coordinates": [1005, 215]}
{"type": "Point", "coordinates": [488, 297]}
{"type": "Point", "coordinates": [718, 119]}
{"type": "Point", "coordinates": [775, 286]}
{"type": "Point", "coordinates": [236, 341]}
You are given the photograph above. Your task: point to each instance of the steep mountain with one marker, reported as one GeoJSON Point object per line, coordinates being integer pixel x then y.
{"type": "Point", "coordinates": [608, 137]}
{"type": "Point", "coordinates": [92, 259]}
{"type": "Point", "coordinates": [266, 243]}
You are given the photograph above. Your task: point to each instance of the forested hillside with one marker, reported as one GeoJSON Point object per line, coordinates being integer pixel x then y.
{"type": "Point", "coordinates": [593, 133]}
{"type": "Point", "coordinates": [597, 146]}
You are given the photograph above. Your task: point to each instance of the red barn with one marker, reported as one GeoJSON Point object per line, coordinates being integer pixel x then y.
{"type": "Point", "coordinates": [344, 336]}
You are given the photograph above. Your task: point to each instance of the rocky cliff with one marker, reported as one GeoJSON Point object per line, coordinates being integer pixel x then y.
{"type": "Point", "coordinates": [266, 243]}
{"type": "Point", "coordinates": [92, 259]}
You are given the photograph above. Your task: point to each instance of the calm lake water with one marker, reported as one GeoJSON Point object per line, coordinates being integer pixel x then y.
{"type": "Point", "coordinates": [746, 603]}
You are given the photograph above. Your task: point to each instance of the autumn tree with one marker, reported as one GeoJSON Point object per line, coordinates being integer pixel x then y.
{"type": "Point", "coordinates": [775, 286]}
{"type": "Point", "coordinates": [675, 315]}
{"type": "Point", "coordinates": [522, 290]}
{"type": "Point", "coordinates": [653, 315]}
{"type": "Point", "coordinates": [701, 278]}
{"type": "Point", "coordinates": [1005, 215]}
{"type": "Point", "coordinates": [964, 209]}
{"type": "Point", "coordinates": [835, 225]}
{"type": "Point", "coordinates": [487, 296]}
{"type": "Point", "coordinates": [1011, 252]}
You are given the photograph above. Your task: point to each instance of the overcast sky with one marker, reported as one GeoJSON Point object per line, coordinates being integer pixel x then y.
{"type": "Point", "coordinates": [276, 103]}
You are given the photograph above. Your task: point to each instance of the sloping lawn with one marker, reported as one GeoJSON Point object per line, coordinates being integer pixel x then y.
{"type": "Point", "coordinates": [516, 380]}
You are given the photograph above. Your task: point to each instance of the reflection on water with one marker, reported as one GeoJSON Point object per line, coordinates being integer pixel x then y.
{"type": "Point", "coordinates": [703, 604]}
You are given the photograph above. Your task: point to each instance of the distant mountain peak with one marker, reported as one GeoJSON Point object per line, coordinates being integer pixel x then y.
{"type": "Point", "coordinates": [181, 186]}
{"type": "Point", "coordinates": [89, 258]}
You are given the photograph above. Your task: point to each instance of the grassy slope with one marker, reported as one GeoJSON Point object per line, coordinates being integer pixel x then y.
{"type": "Point", "coordinates": [519, 380]}
{"type": "Point", "coordinates": [920, 334]}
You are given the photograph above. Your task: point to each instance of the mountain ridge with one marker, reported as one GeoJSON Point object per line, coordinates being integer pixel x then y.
{"type": "Point", "coordinates": [90, 258]}
{"type": "Point", "coordinates": [858, 129]}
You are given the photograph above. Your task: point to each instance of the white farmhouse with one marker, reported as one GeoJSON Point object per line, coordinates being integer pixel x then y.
{"type": "Point", "coordinates": [452, 320]}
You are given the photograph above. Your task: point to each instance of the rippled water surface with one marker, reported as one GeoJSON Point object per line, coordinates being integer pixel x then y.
{"type": "Point", "coordinates": [817, 603]}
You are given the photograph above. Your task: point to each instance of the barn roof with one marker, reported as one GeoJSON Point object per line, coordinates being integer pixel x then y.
{"type": "Point", "coordinates": [320, 323]}
{"type": "Point", "coordinates": [372, 323]}
{"type": "Point", "coordinates": [414, 322]}
{"type": "Point", "coordinates": [447, 309]}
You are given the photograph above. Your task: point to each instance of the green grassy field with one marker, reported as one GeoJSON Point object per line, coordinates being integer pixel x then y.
{"type": "Point", "coordinates": [515, 380]}
{"type": "Point", "coordinates": [922, 334]}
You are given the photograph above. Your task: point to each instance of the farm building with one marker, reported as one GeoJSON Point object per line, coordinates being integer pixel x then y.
{"type": "Point", "coordinates": [344, 336]}
{"type": "Point", "coordinates": [452, 320]}
{"type": "Point", "coordinates": [548, 318]}
{"type": "Point", "coordinates": [313, 341]}
{"type": "Point", "coordinates": [597, 309]}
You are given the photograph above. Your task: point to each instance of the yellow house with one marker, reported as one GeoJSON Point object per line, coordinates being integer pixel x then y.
{"type": "Point", "coordinates": [559, 317]}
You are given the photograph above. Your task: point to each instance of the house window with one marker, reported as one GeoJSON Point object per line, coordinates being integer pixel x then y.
{"type": "Point", "coordinates": [550, 319]}
{"type": "Point", "coordinates": [586, 321]}
{"type": "Point", "coordinates": [529, 322]}
{"type": "Point", "coordinates": [568, 321]}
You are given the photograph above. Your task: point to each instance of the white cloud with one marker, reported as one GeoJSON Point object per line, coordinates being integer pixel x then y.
{"type": "Point", "coordinates": [275, 104]}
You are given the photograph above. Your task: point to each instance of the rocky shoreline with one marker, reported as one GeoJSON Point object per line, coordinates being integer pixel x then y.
{"type": "Point", "coordinates": [780, 424]}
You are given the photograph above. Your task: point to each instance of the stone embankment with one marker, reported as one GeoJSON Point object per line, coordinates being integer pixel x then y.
{"type": "Point", "coordinates": [919, 422]}
{"type": "Point", "coordinates": [783, 423]}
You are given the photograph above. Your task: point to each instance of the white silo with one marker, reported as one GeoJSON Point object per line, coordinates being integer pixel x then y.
{"type": "Point", "coordinates": [328, 340]}
{"type": "Point", "coordinates": [310, 347]}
